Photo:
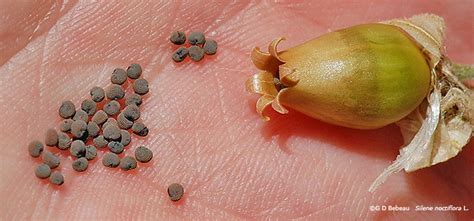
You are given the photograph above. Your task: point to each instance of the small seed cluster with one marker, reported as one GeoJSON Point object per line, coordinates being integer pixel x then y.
{"type": "Point", "coordinates": [89, 127]}
{"type": "Point", "coordinates": [199, 46]}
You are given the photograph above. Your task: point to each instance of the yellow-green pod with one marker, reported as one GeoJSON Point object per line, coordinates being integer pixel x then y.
{"type": "Point", "coordinates": [364, 77]}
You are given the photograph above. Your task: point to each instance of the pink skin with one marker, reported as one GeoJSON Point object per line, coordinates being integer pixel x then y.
{"type": "Point", "coordinates": [204, 130]}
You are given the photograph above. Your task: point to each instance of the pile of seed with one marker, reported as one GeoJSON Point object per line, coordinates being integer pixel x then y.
{"type": "Point", "coordinates": [86, 128]}
{"type": "Point", "coordinates": [199, 46]}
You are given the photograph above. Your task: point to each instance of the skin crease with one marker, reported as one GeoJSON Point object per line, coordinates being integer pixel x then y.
{"type": "Point", "coordinates": [204, 131]}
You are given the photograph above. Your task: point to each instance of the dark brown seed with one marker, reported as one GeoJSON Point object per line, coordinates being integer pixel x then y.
{"type": "Point", "coordinates": [125, 138]}
{"type": "Point", "coordinates": [128, 163]}
{"type": "Point", "coordinates": [35, 148]}
{"type": "Point", "coordinates": [135, 99]}
{"type": "Point", "coordinates": [100, 117]}
{"type": "Point", "coordinates": [112, 108]}
{"type": "Point", "coordinates": [78, 148]}
{"type": "Point", "coordinates": [115, 147]}
{"type": "Point", "coordinates": [97, 94]}
{"type": "Point", "coordinates": [112, 132]}
{"type": "Point", "coordinates": [196, 38]}
{"type": "Point", "coordinates": [67, 109]}
{"type": "Point", "coordinates": [143, 154]}
{"type": "Point", "coordinates": [80, 164]}
{"type": "Point", "coordinates": [131, 112]}
{"type": "Point", "coordinates": [100, 142]}
{"type": "Point", "coordinates": [78, 128]}
{"type": "Point", "coordinates": [119, 76]}
{"type": "Point", "coordinates": [140, 86]}
{"type": "Point", "coordinates": [56, 178]}
{"type": "Point", "coordinates": [134, 71]}
{"type": "Point", "coordinates": [180, 54]}
{"type": "Point", "coordinates": [123, 122]}
{"type": "Point", "coordinates": [51, 160]}
{"type": "Point", "coordinates": [93, 129]}
{"type": "Point", "coordinates": [43, 171]}
{"type": "Point", "coordinates": [65, 125]}
{"type": "Point", "coordinates": [175, 191]}
{"type": "Point", "coordinates": [196, 53]}
{"type": "Point", "coordinates": [210, 47]}
{"type": "Point", "coordinates": [114, 92]}
{"type": "Point", "coordinates": [178, 38]}
{"type": "Point", "coordinates": [64, 141]}
{"type": "Point", "coordinates": [81, 115]}
{"type": "Point", "coordinates": [140, 129]}
{"type": "Point", "coordinates": [109, 121]}
{"type": "Point", "coordinates": [91, 152]}
{"type": "Point", "coordinates": [51, 138]}
{"type": "Point", "coordinates": [89, 107]}
{"type": "Point", "coordinates": [110, 160]}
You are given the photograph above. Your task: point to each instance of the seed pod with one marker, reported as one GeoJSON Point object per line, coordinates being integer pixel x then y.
{"type": "Point", "coordinates": [131, 112]}
{"type": "Point", "coordinates": [115, 147]}
{"type": "Point", "coordinates": [35, 148]}
{"type": "Point", "coordinates": [93, 129]}
{"type": "Point", "coordinates": [78, 149]}
{"type": "Point", "coordinates": [80, 164]}
{"type": "Point", "coordinates": [210, 47]}
{"type": "Point", "coordinates": [180, 54]}
{"type": "Point", "coordinates": [78, 128]}
{"type": "Point", "coordinates": [110, 160]}
{"type": "Point", "coordinates": [123, 122]}
{"type": "Point", "coordinates": [196, 53]}
{"type": "Point", "coordinates": [100, 142]}
{"type": "Point", "coordinates": [112, 132]}
{"type": "Point", "coordinates": [67, 109]}
{"type": "Point", "coordinates": [196, 38]}
{"type": "Point", "coordinates": [112, 108]}
{"type": "Point", "coordinates": [91, 152]}
{"type": "Point", "coordinates": [140, 129]}
{"type": "Point", "coordinates": [135, 99]}
{"type": "Point", "coordinates": [97, 94]}
{"type": "Point", "coordinates": [366, 76]}
{"type": "Point", "coordinates": [114, 92]}
{"type": "Point", "coordinates": [128, 163]}
{"type": "Point", "coordinates": [64, 141]}
{"type": "Point", "coordinates": [81, 115]}
{"type": "Point", "coordinates": [143, 154]}
{"type": "Point", "coordinates": [119, 76]}
{"type": "Point", "coordinates": [125, 138]}
{"type": "Point", "coordinates": [134, 71]}
{"type": "Point", "coordinates": [140, 86]}
{"type": "Point", "coordinates": [89, 107]}
{"type": "Point", "coordinates": [175, 191]}
{"type": "Point", "coordinates": [65, 125]}
{"type": "Point", "coordinates": [43, 171]}
{"type": "Point", "coordinates": [100, 117]}
{"type": "Point", "coordinates": [51, 138]}
{"type": "Point", "coordinates": [178, 38]}
{"type": "Point", "coordinates": [56, 178]}
{"type": "Point", "coordinates": [51, 160]}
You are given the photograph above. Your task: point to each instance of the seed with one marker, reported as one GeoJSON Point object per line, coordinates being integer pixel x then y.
{"type": "Point", "coordinates": [81, 115]}
{"type": "Point", "coordinates": [78, 148]}
{"type": "Point", "coordinates": [78, 128]}
{"type": "Point", "coordinates": [109, 121]}
{"type": "Point", "coordinates": [196, 53]}
{"type": "Point", "coordinates": [178, 37]}
{"type": "Point", "coordinates": [112, 108]}
{"type": "Point", "coordinates": [80, 164]}
{"type": "Point", "coordinates": [51, 160]}
{"type": "Point", "coordinates": [196, 38]}
{"type": "Point", "coordinates": [89, 107]}
{"type": "Point", "coordinates": [110, 160]}
{"type": "Point", "coordinates": [140, 129]}
{"type": "Point", "coordinates": [114, 92]}
{"type": "Point", "coordinates": [134, 71]}
{"type": "Point", "coordinates": [125, 137]}
{"type": "Point", "coordinates": [123, 122]}
{"type": "Point", "coordinates": [112, 132]}
{"type": "Point", "coordinates": [64, 141]}
{"type": "Point", "coordinates": [131, 112]}
{"type": "Point", "coordinates": [210, 47]}
{"type": "Point", "coordinates": [128, 163]}
{"type": "Point", "coordinates": [175, 191]}
{"type": "Point", "coordinates": [100, 142]}
{"type": "Point", "coordinates": [93, 129]}
{"type": "Point", "coordinates": [67, 109]}
{"type": "Point", "coordinates": [99, 117]}
{"type": "Point", "coordinates": [65, 125]}
{"type": "Point", "coordinates": [180, 54]}
{"type": "Point", "coordinates": [119, 76]}
{"type": "Point", "coordinates": [135, 99]}
{"type": "Point", "coordinates": [35, 148]}
{"type": "Point", "coordinates": [51, 138]}
{"type": "Point", "coordinates": [143, 154]}
{"type": "Point", "coordinates": [140, 86]}
{"type": "Point", "coordinates": [43, 171]}
{"type": "Point", "coordinates": [116, 147]}
{"type": "Point", "coordinates": [97, 94]}
{"type": "Point", "coordinates": [91, 152]}
{"type": "Point", "coordinates": [56, 178]}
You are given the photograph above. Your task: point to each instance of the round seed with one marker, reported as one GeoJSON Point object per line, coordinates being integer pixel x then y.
{"type": "Point", "coordinates": [178, 38]}
{"type": "Point", "coordinates": [112, 132]}
{"type": "Point", "coordinates": [114, 92]}
{"type": "Point", "coordinates": [175, 191]}
{"type": "Point", "coordinates": [51, 160]}
{"type": "Point", "coordinates": [119, 76]}
{"type": "Point", "coordinates": [100, 142]}
{"type": "Point", "coordinates": [51, 138]}
{"type": "Point", "coordinates": [180, 54]}
{"type": "Point", "coordinates": [80, 164]}
{"type": "Point", "coordinates": [78, 128]}
{"type": "Point", "coordinates": [134, 71]}
{"type": "Point", "coordinates": [65, 125]}
{"type": "Point", "coordinates": [100, 117]}
{"type": "Point", "coordinates": [123, 122]}
{"type": "Point", "coordinates": [131, 112]}
{"type": "Point", "coordinates": [115, 147]}
{"type": "Point", "coordinates": [43, 171]}
{"type": "Point", "coordinates": [81, 115]}
{"type": "Point", "coordinates": [91, 152]}
{"type": "Point", "coordinates": [196, 53]}
{"type": "Point", "coordinates": [128, 163]}
{"type": "Point", "coordinates": [125, 137]}
{"type": "Point", "coordinates": [140, 129]}
{"type": "Point", "coordinates": [196, 38]}
{"type": "Point", "coordinates": [143, 154]}
{"type": "Point", "coordinates": [112, 108]}
{"type": "Point", "coordinates": [210, 47]}
{"type": "Point", "coordinates": [67, 109]}
{"type": "Point", "coordinates": [78, 148]}
{"type": "Point", "coordinates": [135, 99]}
{"type": "Point", "coordinates": [110, 160]}
{"type": "Point", "coordinates": [89, 107]}
{"type": "Point", "coordinates": [97, 94]}
{"type": "Point", "coordinates": [140, 86]}
{"type": "Point", "coordinates": [64, 141]}
{"type": "Point", "coordinates": [56, 178]}
{"type": "Point", "coordinates": [109, 121]}
{"type": "Point", "coordinates": [35, 148]}
{"type": "Point", "coordinates": [93, 129]}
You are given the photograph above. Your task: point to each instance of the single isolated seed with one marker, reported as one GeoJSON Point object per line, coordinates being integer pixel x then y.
{"type": "Point", "coordinates": [78, 128]}
{"type": "Point", "coordinates": [143, 154]}
{"type": "Point", "coordinates": [180, 54]}
{"type": "Point", "coordinates": [100, 142]}
{"type": "Point", "coordinates": [125, 137]}
{"type": "Point", "coordinates": [123, 122]}
{"type": "Point", "coordinates": [51, 160]}
{"type": "Point", "coordinates": [196, 38]}
{"type": "Point", "coordinates": [97, 94]}
{"type": "Point", "coordinates": [35, 148]}
{"type": "Point", "coordinates": [91, 152]}
{"type": "Point", "coordinates": [178, 38]}
{"type": "Point", "coordinates": [175, 191]}
{"type": "Point", "coordinates": [140, 129]}
{"type": "Point", "coordinates": [119, 76]}
{"type": "Point", "coordinates": [78, 148]}
{"type": "Point", "coordinates": [134, 71]}
{"type": "Point", "coordinates": [93, 129]}
{"type": "Point", "coordinates": [67, 109]}
{"type": "Point", "coordinates": [112, 132]}
{"type": "Point", "coordinates": [80, 164]}
{"type": "Point", "coordinates": [210, 47]}
{"type": "Point", "coordinates": [81, 115]}
{"type": "Point", "coordinates": [65, 125]}
{"type": "Point", "coordinates": [89, 107]}
{"type": "Point", "coordinates": [140, 86]}
{"type": "Point", "coordinates": [128, 163]}
{"type": "Point", "coordinates": [196, 53]}
{"type": "Point", "coordinates": [135, 99]}
{"type": "Point", "coordinates": [115, 147]}
{"type": "Point", "coordinates": [100, 117]}
{"type": "Point", "coordinates": [112, 108]}
{"type": "Point", "coordinates": [56, 178]}
{"type": "Point", "coordinates": [110, 160]}
{"type": "Point", "coordinates": [114, 92]}
{"type": "Point", "coordinates": [109, 121]}
{"type": "Point", "coordinates": [64, 141]}
{"type": "Point", "coordinates": [131, 112]}
{"type": "Point", "coordinates": [51, 138]}
{"type": "Point", "coordinates": [42, 171]}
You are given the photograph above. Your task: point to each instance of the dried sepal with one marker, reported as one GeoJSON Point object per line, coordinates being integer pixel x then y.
{"type": "Point", "coordinates": [263, 83]}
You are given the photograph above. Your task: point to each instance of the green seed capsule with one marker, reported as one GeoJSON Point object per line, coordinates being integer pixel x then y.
{"type": "Point", "coordinates": [364, 77]}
